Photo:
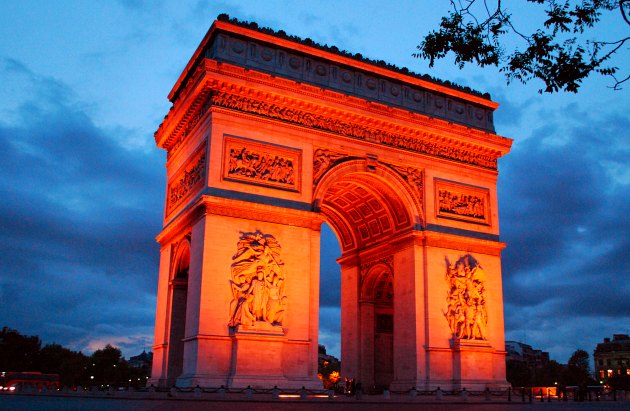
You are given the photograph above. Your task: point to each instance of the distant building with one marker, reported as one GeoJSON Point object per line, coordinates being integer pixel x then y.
{"type": "Point", "coordinates": [143, 360]}
{"type": "Point", "coordinates": [612, 357]}
{"type": "Point", "coordinates": [517, 351]}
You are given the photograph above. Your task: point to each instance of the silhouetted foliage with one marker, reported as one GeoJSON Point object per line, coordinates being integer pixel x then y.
{"type": "Point", "coordinates": [104, 367]}
{"type": "Point", "coordinates": [550, 374]}
{"type": "Point", "coordinates": [558, 53]}
{"type": "Point", "coordinates": [519, 374]}
{"type": "Point", "coordinates": [578, 369]}
{"type": "Point", "coordinates": [18, 352]}
{"type": "Point", "coordinates": [70, 365]}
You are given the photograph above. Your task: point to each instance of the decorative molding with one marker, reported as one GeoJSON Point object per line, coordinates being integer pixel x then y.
{"type": "Point", "coordinates": [188, 179]}
{"type": "Point", "coordinates": [196, 111]}
{"type": "Point", "coordinates": [414, 143]}
{"type": "Point", "coordinates": [264, 164]}
{"type": "Point", "coordinates": [324, 160]}
{"type": "Point", "coordinates": [415, 179]}
{"type": "Point", "coordinates": [462, 202]}
{"type": "Point", "coordinates": [365, 267]}
{"type": "Point", "coordinates": [364, 82]}
{"type": "Point", "coordinates": [257, 281]}
{"type": "Point", "coordinates": [466, 313]}
{"type": "Point", "coordinates": [377, 289]}
{"type": "Point", "coordinates": [280, 214]}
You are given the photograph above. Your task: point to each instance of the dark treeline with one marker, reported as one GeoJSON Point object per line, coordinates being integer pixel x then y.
{"type": "Point", "coordinates": [577, 372]}
{"type": "Point", "coordinates": [104, 367]}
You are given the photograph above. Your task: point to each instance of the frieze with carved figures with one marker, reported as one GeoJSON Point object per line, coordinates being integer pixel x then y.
{"type": "Point", "coordinates": [324, 160]}
{"type": "Point", "coordinates": [462, 202]}
{"type": "Point", "coordinates": [262, 164]}
{"type": "Point", "coordinates": [187, 180]}
{"type": "Point", "coordinates": [354, 130]}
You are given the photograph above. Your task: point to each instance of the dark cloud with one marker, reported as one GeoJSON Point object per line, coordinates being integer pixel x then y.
{"type": "Point", "coordinates": [79, 212]}
{"type": "Point", "coordinates": [564, 202]}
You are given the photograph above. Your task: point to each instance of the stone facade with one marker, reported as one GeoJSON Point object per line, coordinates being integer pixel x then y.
{"type": "Point", "coordinates": [268, 138]}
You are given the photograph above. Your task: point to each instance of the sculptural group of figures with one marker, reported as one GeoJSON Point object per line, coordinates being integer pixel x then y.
{"type": "Point", "coordinates": [466, 314]}
{"type": "Point", "coordinates": [461, 204]}
{"type": "Point", "coordinates": [261, 166]}
{"type": "Point", "coordinates": [257, 281]}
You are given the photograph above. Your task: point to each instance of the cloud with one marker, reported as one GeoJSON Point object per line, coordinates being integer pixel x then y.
{"type": "Point", "coordinates": [78, 216]}
{"type": "Point", "coordinates": [564, 202]}
{"type": "Point", "coordinates": [330, 329]}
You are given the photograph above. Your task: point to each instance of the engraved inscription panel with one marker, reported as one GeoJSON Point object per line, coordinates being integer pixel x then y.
{"type": "Point", "coordinates": [263, 164]}
{"type": "Point", "coordinates": [462, 202]}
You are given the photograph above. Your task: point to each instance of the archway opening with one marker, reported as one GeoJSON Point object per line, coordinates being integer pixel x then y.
{"type": "Point", "coordinates": [367, 211]}
{"type": "Point", "coordinates": [382, 298]}
{"type": "Point", "coordinates": [329, 306]}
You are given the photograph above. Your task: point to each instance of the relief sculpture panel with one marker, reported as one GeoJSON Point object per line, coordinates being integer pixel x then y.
{"type": "Point", "coordinates": [323, 160]}
{"type": "Point", "coordinates": [462, 202]}
{"type": "Point", "coordinates": [187, 180]}
{"type": "Point", "coordinates": [355, 130]}
{"type": "Point", "coordinates": [257, 281]}
{"type": "Point", "coordinates": [262, 164]}
{"type": "Point", "coordinates": [466, 312]}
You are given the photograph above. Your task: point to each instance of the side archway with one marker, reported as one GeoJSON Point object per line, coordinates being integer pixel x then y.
{"type": "Point", "coordinates": [376, 306]}
{"type": "Point", "coordinates": [178, 290]}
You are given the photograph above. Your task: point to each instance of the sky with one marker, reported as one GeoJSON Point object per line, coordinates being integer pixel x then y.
{"type": "Point", "coordinates": [84, 85]}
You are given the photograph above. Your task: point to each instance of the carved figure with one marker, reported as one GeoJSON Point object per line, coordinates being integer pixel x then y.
{"type": "Point", "coordinates": [412, 176]}
{"type": "Point", "coordinates": [417, 143]}
{"type": "Point", "coordinates": [466, 312]}
{"type": "Point", "coordinates": [461, 204]}
{"type": "Point", "coordinates": [263, 166]}
{"type": "Point", "coordinates": [186, 182]}
{"type": "Point", "coordinates": [322, 161]}
{"type": "Point", "coordinates": [257, 281]}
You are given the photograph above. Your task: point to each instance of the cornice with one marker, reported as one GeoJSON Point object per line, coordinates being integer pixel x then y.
{"type": "Point", "coordinates": [457, 242]}
{"type": "Point", "coordinates": [261, 212]}
{"type": "Point", "coordinates": [340, 98]}
{"type": "Point", "coordinates": [214, 90]}
{"type": "Point", "coordinates": [270, 38]}
{"type": "Point", "coordinates": [205, 204]}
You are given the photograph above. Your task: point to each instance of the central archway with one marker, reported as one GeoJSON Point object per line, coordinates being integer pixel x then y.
{"type": "Point", "coordinates": [370, 209]}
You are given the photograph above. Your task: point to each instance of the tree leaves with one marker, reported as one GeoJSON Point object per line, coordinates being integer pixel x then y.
{"type": "Point", "coordinates": [556, 53]}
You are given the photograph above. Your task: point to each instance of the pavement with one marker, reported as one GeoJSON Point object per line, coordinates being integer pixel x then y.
{"type": "Point", "coordinates": [74, 402]}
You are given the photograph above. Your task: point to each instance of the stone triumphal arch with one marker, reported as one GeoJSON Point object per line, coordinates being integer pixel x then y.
{"type": "Point", "coordinates": [268, 137]}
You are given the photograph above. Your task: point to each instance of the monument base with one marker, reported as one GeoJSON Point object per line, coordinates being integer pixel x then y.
{"type": "Point", "coordinates": [474, 365]}
{"type": "Point", "coordinates": [260, 353]}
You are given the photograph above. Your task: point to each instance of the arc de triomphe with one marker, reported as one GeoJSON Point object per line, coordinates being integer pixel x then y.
{"type": "Point", "coordinates": [268, 137]}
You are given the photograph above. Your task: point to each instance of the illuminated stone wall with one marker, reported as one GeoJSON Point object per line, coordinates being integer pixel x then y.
{"type": "Point", "coordinates": [261, 151]}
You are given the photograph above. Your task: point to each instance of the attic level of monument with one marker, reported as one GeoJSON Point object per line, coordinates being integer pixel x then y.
{"type": "Point", "coordinates": [370, 122]}
{"type": "Point", "coordinates": [280, 57]}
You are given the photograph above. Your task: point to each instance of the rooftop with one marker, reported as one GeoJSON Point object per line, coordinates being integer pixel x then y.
{"type": "Point", "coordinates": [355, 56]}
